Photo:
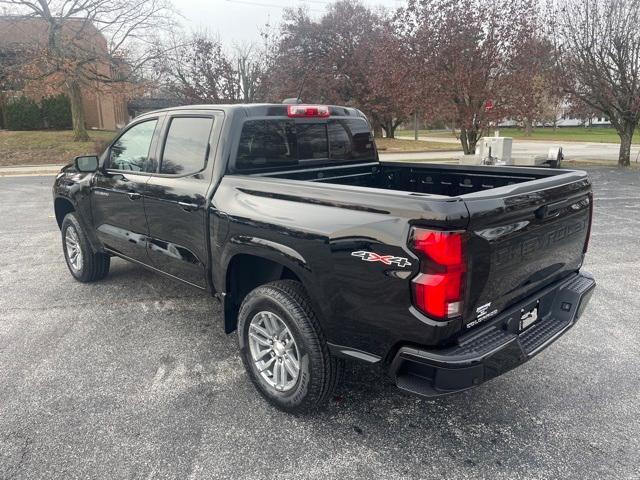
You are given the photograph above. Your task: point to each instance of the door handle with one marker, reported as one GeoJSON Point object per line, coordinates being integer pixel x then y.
{"type": "Point", "coordinates": [134, 196]}
{"type": "Point", "coordinates": [188, 207]}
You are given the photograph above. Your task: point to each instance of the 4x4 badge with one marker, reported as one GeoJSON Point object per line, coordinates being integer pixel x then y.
{"type": "Point", "coordinates": [386, 259]}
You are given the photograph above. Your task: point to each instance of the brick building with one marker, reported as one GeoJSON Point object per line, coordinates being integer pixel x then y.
{"type": "Point", "coordinates": [104, 107]}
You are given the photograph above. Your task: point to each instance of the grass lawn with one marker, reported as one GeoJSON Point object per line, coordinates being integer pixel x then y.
{"type": "Point", "coordinates": [42, 147]}
{"type": "Point", "coordinates": [401, 145]}
{"type": "Point", "coordinates": [568, 134]}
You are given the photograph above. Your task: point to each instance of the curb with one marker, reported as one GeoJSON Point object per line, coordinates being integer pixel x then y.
{"type": "Point", "coordinates": [29, 170]}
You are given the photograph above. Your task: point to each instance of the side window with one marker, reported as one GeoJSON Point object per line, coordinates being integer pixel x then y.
{"type": "Point", "coordinates": [186, 146]}
{"type": "Point", "coordinates": [267, 143]}
{"type": "Point", "coordinates": [131, 151]}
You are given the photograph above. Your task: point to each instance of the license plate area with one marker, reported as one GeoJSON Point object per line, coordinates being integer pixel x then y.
{"type": "Point", "coordinates": [529, 316]}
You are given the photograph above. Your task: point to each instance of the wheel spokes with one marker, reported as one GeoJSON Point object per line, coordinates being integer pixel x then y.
{"type": "Point", "coordinates": [269, 335]}
{"type": "Point", "coordinates": [267, 364]}
{"type": "Point", "coordinates": [74, 251]}
{"type": "Point", "coordinates": [260, 339]}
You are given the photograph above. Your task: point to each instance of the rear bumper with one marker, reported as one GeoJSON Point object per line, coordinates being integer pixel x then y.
{"type": "Point", "coordinates": [497, 347]}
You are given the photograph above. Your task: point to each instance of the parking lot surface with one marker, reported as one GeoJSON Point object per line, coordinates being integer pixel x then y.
{"type": "Point", "coordinates": [133, 377]}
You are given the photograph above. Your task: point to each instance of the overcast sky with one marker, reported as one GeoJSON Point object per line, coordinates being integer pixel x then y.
{"type": "Point", "coordinates": [238, 21]}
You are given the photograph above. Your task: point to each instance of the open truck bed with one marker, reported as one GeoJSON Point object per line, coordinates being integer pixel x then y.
{"type": "Point", "coordinates": [524, 227]}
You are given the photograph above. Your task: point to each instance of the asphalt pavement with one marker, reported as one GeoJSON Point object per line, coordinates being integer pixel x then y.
{"type": "Point", "coordinates": [133, 377]}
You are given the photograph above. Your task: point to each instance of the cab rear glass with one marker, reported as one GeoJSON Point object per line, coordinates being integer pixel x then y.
{"type": "Point", "coordinates": [273, 143]}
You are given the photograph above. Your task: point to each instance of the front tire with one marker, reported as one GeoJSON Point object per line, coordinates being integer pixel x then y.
{"type": "Point", "coordinates": [84, 264]}
{"type": "Point", "coordinates": [283, 348]}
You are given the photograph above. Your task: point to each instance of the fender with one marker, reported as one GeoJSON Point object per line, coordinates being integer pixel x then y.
{"type": "Point", "coordinates": [268, 250]}
{"type": "Point", "coordinates": [77, 191]}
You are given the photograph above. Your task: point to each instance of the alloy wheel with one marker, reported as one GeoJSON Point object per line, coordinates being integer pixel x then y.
{"type": "Point", "coordinates": [74, 252]}
{"type": "Point", "coordinates": [274, 351]}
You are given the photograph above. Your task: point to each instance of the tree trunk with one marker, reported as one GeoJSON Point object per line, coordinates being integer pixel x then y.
{"type": "Point", "coordinates": [391, 131]}
{"type": "Point", "coordinates": [463, 140]}
{"type": "Point", "coordinates": [626, 136]}
{"type": "Point", "coordinates": [469, 139]}
{"type": "Point", "coordinates": [528, 127]}
{"type": "Point", "coordinates": [377, 129]}
{"type": "Point", "coordinates": [472, 140]}
{"type": "Point", "coordinates": [77, 112]}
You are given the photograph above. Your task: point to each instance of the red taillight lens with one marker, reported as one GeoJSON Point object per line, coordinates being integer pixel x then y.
{"type": "Point", "coordinates": [438, 290]}
{"type": "Point", "coordinates": [318, 111]}
{"type": "Point", "coordinates": [444, 248]}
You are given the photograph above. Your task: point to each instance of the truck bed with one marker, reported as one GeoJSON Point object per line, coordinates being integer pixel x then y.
{"type": "Point", "coordinates": [443, 180]}
{"type": "Point", "coordinates": [525, 227]}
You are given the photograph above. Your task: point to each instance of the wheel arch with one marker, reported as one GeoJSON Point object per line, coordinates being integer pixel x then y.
{"type": "Point", "coordinates": [62, 206]}
{"type": "Point", "coordinates": [247, 270]}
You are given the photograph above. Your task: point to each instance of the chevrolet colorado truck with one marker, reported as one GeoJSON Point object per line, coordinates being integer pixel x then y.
{"type": "Point", "coordinates": [445, 276]}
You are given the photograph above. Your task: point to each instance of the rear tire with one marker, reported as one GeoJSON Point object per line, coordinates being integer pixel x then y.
{"type": "Point", "coordinates": [277, 331]}
{"type": "Point", "coordinates": [83, 262]}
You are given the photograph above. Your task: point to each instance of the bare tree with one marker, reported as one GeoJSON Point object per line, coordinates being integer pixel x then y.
{"type": "Point", "coordinates": [250, 71]}
{"type": "Point", "coordinates": [196, 69]}
{"type": "Point", "coordinates": [94, 43]}
{"type": "Point", "coordinates": [598, 53]}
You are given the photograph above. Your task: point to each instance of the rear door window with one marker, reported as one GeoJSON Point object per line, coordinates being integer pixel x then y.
{"type": "Point", "coordinates": [186, 146]}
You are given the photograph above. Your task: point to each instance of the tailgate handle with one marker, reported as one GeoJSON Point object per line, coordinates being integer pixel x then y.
{"type": "Point", "coordinates": [549, 211]}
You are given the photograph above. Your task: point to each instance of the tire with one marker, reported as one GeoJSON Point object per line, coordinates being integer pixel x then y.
{"type": "Point", "coordinates": [318, 372]}
{"type": "Point", "coordinates": [90, 266]}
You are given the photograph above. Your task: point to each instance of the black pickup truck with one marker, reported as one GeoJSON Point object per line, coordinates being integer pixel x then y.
{"type": "Point", "coordinates": [446, 276]}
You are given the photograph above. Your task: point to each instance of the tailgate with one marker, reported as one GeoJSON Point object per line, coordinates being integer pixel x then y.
{"type": "Point", "coordinates": [523, 237]}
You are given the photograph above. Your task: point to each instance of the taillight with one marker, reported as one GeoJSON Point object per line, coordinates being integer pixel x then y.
{"type": "Point", "coordinates": [438, 290]}
{"type": "Point", "coordinates": [318, 111]}
{"type": "Point", "coordinates": [586, 240]}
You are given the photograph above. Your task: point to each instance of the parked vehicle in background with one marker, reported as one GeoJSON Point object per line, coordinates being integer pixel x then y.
{"type": "Point", "coordinates": [446, 276]}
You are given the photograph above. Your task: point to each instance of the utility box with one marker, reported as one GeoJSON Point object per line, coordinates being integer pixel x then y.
{"type": "Point", "coordinates": [494, 151]}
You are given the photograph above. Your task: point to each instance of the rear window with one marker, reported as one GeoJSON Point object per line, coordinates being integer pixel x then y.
{"type": "Point", "coordinates": [277, 143]}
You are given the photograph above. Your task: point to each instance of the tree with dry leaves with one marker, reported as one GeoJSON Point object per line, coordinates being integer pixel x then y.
{"type": "Point", "coordinates": [532, 92]}
{"type": "Point", "coordinates": [349, 56]}
{"type": "Point", "coordinates": [94, 43]}
{"type": "Point", "coordinates": [464, 47]}
{"type": "Point", "coordinates": [326, 59]}
{"type": "Point", "coordinates": [598, 52]}
{"type": "Point", "coordinates": [392, 94]}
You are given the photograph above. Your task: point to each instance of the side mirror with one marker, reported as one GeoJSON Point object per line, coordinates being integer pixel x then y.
{"type": "Point", "coordinates": [86, 163]}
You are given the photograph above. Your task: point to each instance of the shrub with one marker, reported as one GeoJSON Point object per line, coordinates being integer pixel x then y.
{"type": "Point", "coordinates": [56, 112]}
{"type": "Point", "coordinates": [23, 114]}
